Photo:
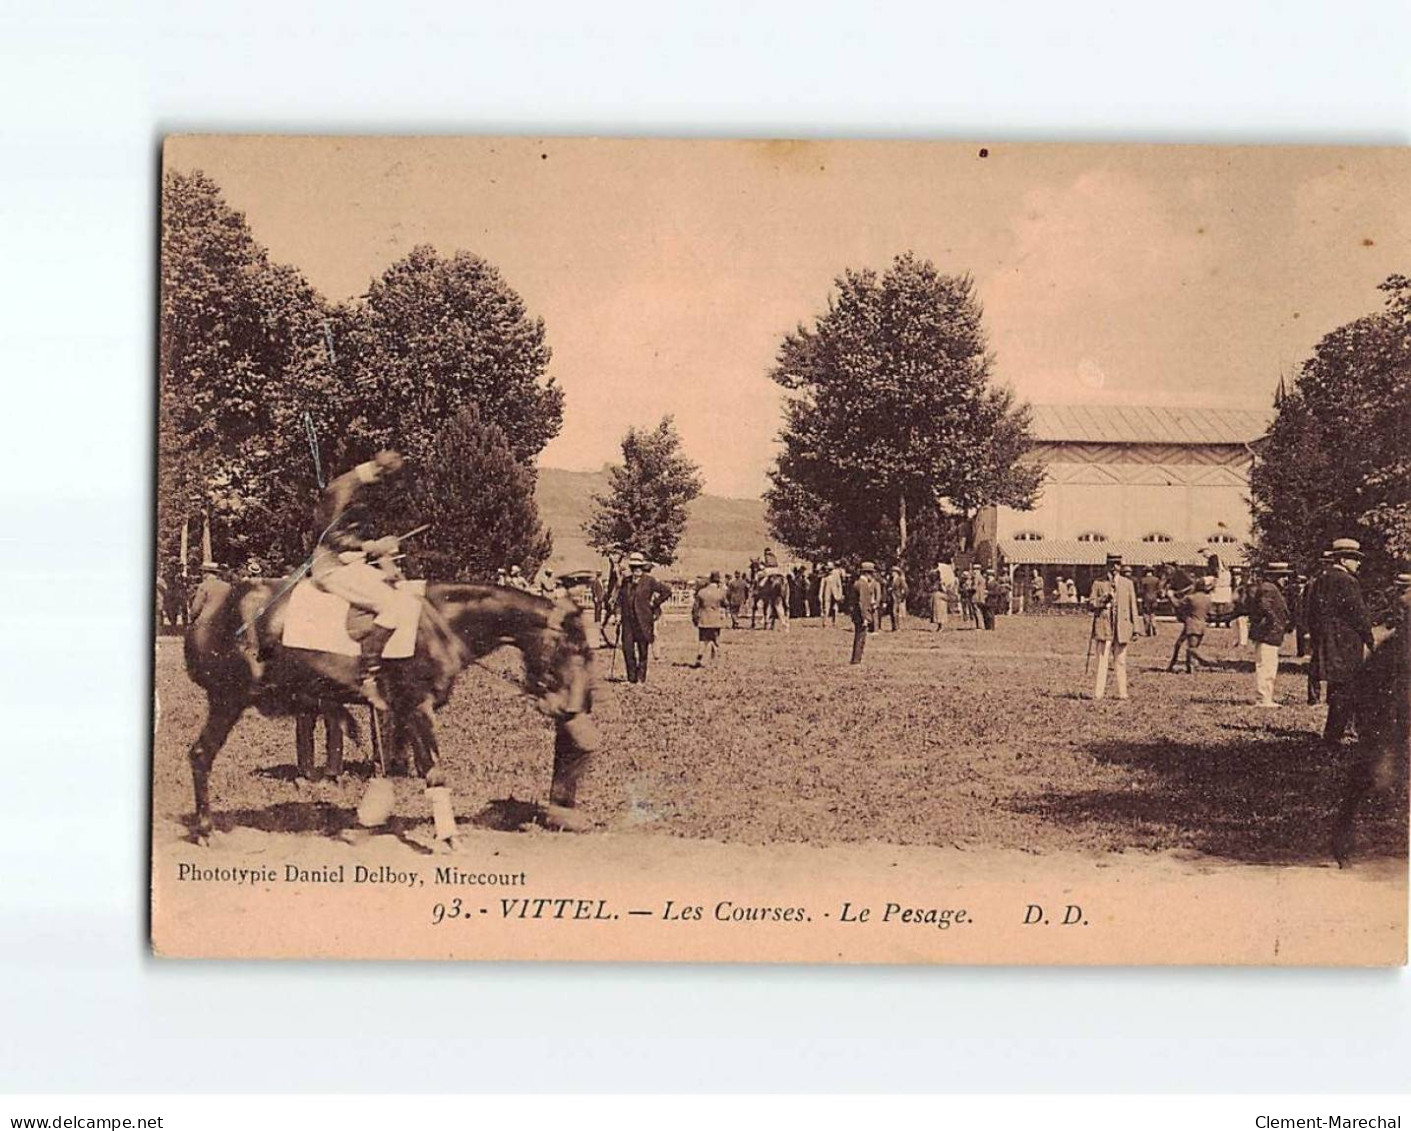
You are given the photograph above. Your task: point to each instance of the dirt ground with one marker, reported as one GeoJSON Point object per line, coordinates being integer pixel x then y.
{"type": "Point", "coordinates": [962, 739]}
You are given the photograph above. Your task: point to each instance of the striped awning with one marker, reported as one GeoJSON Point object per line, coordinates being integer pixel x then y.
{"type": "Point", "coordinates": [1070, 552]}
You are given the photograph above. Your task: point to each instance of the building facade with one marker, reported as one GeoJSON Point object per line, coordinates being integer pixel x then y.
{"type": "Point", "coordinates": [1154, 484]}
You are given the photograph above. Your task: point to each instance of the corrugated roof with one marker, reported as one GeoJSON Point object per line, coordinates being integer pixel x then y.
{"type": "Point", "coordinates": [1146, 424]}
{"type": "Point", "coordinates": [1067, 551]}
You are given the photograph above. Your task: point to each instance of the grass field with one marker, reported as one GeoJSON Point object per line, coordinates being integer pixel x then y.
{"type": "Point", "coordinates": [965, 738]}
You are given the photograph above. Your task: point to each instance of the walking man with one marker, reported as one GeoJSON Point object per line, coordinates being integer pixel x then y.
{"type": "Point", "coordinates": [708, 615]}
{"type": "Point", "coordinates": [1150, 593]}
{"type": "Point", "coordinates": [1268, 624]}
{"type": "Point", "coordinates": [1194, 612]}
{"type": "Point", "coordinates": [1341, 633]}
{"type": "Point", "coordinates": [1113, 600]}
{"type": "Point", "coordinates": [866, 597]}
{"type": "Point", "coordinates": [640, 597]}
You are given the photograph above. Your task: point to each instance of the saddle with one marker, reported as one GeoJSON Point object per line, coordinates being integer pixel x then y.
{"type": "Point", "coordinates": [321, 622]}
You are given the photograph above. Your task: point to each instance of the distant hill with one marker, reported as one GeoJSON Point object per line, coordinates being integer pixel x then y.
{"type": "Point", "coordinates": [720, 534]}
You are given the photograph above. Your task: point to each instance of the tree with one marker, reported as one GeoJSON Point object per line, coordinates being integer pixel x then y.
{"type": "Point", "coordinates": [480, 502]}
{"type": "Point", "coordinates": [434, 334]}
{"type": "Point", "coordinates": [1337, 459]}
{"type": "Point", "coordinates": [645, 506]}
{"type": "Point", "coordinates": [892, 415]}
{"type": "Point", "coordinates": [241, 354]}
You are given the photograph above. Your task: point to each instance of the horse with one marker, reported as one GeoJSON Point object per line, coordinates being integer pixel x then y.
{"type": "Point", "coordinates": [233, 653]}
{"type": "Point", "coordinates": [1381, 712]}
{"type": "Point", "coordinates": [771, 591]}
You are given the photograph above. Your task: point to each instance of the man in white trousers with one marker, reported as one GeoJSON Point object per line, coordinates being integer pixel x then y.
{"type": "Point", "coordinates": [1113, 601]}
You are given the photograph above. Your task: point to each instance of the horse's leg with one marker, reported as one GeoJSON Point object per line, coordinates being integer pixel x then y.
{"type": "Point", "coordinates": [421, 729]}
{"type": "Point", "coordinates": [220, 718]}
{"type": "Point", "coordinates": [304, 744]}
{"type": "Point", "coordinates": [332, 741]}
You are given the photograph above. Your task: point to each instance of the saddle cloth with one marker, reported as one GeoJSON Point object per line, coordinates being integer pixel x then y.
{"type": "Point", "coordinates": [318, 621]}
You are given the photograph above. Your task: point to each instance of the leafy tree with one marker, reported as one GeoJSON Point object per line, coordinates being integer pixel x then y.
{"type": "Point", "coordinates": [893, 415]}
{"type": "Point", "coordinates": [1337, 459]}
{"type": "Point", "coordinates": [432, 335]}
{"type": "Point", "coordinates": [241, 352]}
{"type": "Point", "coordinates": [645, 506]}
{"type": "Point", "coordinates": [480, 502]}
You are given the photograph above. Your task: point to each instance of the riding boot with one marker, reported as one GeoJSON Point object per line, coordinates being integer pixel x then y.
{"type": "Point", "coordinates": [370, 665]}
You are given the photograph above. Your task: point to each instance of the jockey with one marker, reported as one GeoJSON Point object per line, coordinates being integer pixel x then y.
{"type": "Point", "coordinates": [343, 564]}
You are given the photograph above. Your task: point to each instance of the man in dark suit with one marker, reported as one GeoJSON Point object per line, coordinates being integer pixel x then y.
{"type": "Point", "coordinates": [1342, 632]}
{"type": "Point", "coordinates": [866, 599]}
{"type": "Point", "coordinates": [639, 599]}
{"type": "Point", "coordinates": [1268, 625]}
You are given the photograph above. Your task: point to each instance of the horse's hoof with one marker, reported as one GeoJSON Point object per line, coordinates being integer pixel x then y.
{"type": "Point", "coordinates": [565, 820]}
{"type": "Point", "coordinates": [377, 802]}
{"type": "Point", "coordinates": [450, 844]}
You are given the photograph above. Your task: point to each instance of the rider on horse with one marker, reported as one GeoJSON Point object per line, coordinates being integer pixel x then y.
{"type": "Point", "coordinates": [343, 564]}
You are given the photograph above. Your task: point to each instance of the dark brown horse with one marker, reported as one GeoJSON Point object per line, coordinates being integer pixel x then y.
{"type": "Point", "coordinates": [460, 624]}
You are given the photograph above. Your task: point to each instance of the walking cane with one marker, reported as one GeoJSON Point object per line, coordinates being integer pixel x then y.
{"type": "Point", "coordinates": [1092, 635]}
{"type": "Point", "coordinates": [612, 665]}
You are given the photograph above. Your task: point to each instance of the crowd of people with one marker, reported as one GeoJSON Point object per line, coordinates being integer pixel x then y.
{"type": "Point", "coordinates": [1325, 613]}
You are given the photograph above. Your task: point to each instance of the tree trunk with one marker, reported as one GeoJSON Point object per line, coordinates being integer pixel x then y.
{"type": "Point", "coordinates": [901, 527]}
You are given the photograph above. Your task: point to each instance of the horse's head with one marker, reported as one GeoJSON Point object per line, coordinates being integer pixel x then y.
{"type": "Point", "coordinates": [561, 674]}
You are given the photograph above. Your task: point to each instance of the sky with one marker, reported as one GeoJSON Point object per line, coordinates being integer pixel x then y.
{"type": "Point", "coordinates": [668, 272]}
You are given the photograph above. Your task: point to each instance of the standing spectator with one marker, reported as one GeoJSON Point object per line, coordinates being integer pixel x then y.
{"type": "Point", "coordinates": [518, 580]}
{"type": "Point", "coordinates": [1223, 595]}
{"type": "Point", "coordinates": [1268, 625]}
{"type": "Point", "coordinates": [708, 615]}
{"type": "Point", "coordinates": [980, 600]}
{"type": "Point", "coordinates": [896, 583]}
{"type": "Point", "coordinates": [1310, 613]}
{"type": "Point", "coordinates": [1113, 600]}
{"type": "Point", "coordinates": [1341, 631]}
{"type": "Point", "coordinates": [811, 591]}
{"type": "Point", "coordinates": [640, 598]}
{"type": "Point", "coordinates": [866, 597]}
{"type": "Point", "coordinates": [1036, 591]}
{"type": "Point", "coordinates": [967, 597]}
{"type": "Point", "coordinates": [1194, 612]}
{"type": "Point", "coordinates": [798, 604]}
{"type": "Point", "coordinates": [1293, 598]}
{"type": "Point", "coordinates": [736, 593]}
{"type": "Point", "coordinates": [830, 593]}
{"type": "Point", "coordinates": [595, 586]}
{"type": "Point", "coordinates": [1148, 595]}
{"type": "Point", "coordinates": [940, 605]}
{"type": "Point", "coordinates": [211, 585]}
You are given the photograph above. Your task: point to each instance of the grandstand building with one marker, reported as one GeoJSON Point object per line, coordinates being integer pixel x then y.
{"type": "Point", "coordinates": [1153, 484]}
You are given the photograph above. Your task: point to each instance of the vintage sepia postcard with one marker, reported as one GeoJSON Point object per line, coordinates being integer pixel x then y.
{"type": "Point", "coordinates": [782, 551]}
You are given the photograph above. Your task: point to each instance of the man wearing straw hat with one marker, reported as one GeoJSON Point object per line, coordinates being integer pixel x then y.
{"type": "Point", "coordinates": [1268, 625]}
{"type": "Point", "coordinates": [1342, 631]}
{"type": "Point", "coordinates": [1113, 600]}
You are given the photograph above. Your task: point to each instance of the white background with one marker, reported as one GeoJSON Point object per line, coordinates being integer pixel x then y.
{"type": "Point", "coordinates": [86, 90]}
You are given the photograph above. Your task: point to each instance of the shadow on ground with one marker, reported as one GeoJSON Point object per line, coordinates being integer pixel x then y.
{"type": "Point", "coordinates": [1266, 800]}
{"type": "Point", "coordinates": [328, 819]}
